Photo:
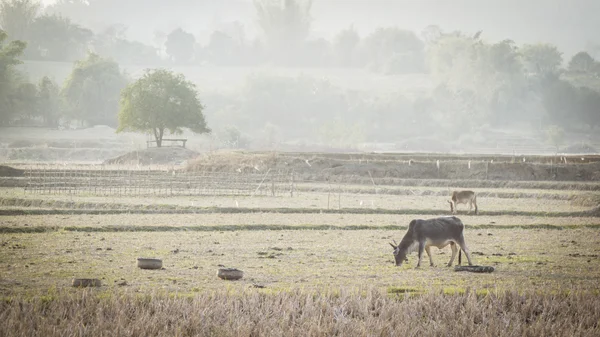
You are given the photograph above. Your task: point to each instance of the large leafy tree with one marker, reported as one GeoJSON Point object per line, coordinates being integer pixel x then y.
{"type": "Point", "coordinates": [345, 45]}
{"type": "Point", "coordinates": [10, 54]}
{"type": "Point", "coordinates": [180, 45]}
{"type": "Point", "coordinates": [25, 105]}
{"type": "Point", "coordinates": [159, 101]}
{"type": "Point", "coordinates": [222, 49]}
{"type": "Point", "coordinates": [392, 50]}
{"type": "Point", "coordinates": [477, 82]}
{"type": "Point", "coordinates": [56, 38]}
{"type": "Point", "coordinates": [49, 102]}
{"type": "Point", "coordinates": [285, 25]}
{"type": "Point", "coordinates": [541, 59]}
{"type": "Point", "coordinates": [17, 15]}
{"type": "Point", "coordinates": [92, 90]}
{"type": "Point", "coordinates": [582, 62]}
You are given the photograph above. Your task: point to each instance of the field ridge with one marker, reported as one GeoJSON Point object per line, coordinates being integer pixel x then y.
{"type": "Point", "coordinates": [169, 209]}
{"type": "Point", "coordinates": [265, 227]}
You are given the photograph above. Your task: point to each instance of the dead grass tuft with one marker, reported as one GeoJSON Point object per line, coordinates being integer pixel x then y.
{"type": "Point", "coordinates": [338, 312]}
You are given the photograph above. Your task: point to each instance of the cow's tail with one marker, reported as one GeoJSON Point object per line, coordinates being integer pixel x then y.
{"type": "Point", "coordinates": [459, 256]}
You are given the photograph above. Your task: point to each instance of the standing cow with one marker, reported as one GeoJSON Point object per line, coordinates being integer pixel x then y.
{"type": "Point", "coordinates": [437, 232]}
{"type": "Point", "coordinates": [463, 197]}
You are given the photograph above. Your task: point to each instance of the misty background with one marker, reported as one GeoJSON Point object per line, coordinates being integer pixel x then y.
{"type": "Point", "coordinates": [342, 74]}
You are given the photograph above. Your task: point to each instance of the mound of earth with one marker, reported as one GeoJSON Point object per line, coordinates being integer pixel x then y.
{"type": "Point", "coordinates": [155, 156]}
{"type": "Point", "coordinates": [320, 166]}
{"type": "Point", "coordinates": [7, 171]}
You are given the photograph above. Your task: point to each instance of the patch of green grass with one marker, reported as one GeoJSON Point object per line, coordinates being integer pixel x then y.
{"type": "Point", "coordinates": [403, 290]}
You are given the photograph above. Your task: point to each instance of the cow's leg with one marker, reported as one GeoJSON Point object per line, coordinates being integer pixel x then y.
{"type": "Point", "coordinates": [470, 206]}
{"type": "Point", "coordinates": [421, 248]}
{"type": "Point", "coordinates": [454, 251]}
{"type": "Point", "coordinates": [463, 246]}
{"type": "Point", "coordinates": [428, 250]}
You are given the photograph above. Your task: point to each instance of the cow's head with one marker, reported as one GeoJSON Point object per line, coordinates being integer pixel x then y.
{"type": "Point", "coordinates": [399, 254]}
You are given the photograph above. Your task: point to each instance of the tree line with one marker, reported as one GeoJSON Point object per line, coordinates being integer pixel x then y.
{"type": "Point", "coordinates": [97, 92]}
{"type": "Point", "coordinates": [475, 83]}
{"type": "Point", "coordinates": [285, 40]}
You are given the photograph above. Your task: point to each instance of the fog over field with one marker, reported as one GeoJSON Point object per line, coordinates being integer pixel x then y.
{"type": "Point", "coordinates": [442, 76]}
{"type": "Point", "coordinates": [291, 142]}
{"type": "Point", "coordinates": [571, 25]}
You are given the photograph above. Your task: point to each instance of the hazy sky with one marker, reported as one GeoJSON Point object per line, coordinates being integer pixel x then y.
{"type": "Point", "coordinates": [570, 24]}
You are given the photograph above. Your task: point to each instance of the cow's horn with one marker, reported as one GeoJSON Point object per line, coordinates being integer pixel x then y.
{"type": "Point", "coordinates": [392, 245]}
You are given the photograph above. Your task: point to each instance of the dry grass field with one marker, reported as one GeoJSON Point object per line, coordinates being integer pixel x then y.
{"type": "Point", "coordinates": [315, 264]}
{"type": "Point", "coordinates": [525, 259]}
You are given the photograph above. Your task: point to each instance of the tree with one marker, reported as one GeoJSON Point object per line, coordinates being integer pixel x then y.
{"type": "Point", "coordinates": [485, 83]}
{"type": "Point", "coordinates": [56, 38]}
{"type": "Point", "coordinates": [589, 107]}
{"type": "Point", "coordinates": [112, 42]}
{"type": "Point", "coordinates": [582, 62]}
{"type": "Point", "coordinates": [10, 54]}
{"type": "Point", "coordinates": [222, 49]}
{"type": "Point", "coordinates": [232, 137]}
{"type": "Point", "coordinates": [431, 34]}
{"type": "Point", "coordinates": [49, 102]}
{"type": "Point", "coordinates": [25, 104]}
{"type": "Point", "coordinates": [285, 25]}
{"type": "Point", "coordinates": [92, 90]}
{"type": "Point", "coordinates": [392, 50]}
{"type": "Point", "coordinates": [344, 46]}
{"type": "Point", "coordinates": [560, 99]}
{"type": "Point", "coordinates": [541, 59]}
{"type": "Point", "coordinates": [17, 15]}
{"type": "Point", "coordinates": [180, 45]}
{"type": "Point", "coordinates": [161, 100]}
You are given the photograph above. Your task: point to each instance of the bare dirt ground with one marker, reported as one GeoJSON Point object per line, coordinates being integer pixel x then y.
{"type": "Point", "coordinates": [539, 235]}
{"type": "Point", "coordinates": [230, 221]}
{"type": "Point", "coordinates": [304, 203]}
{"type": "Point", "coordinates": [155, 156]}
{"type": "Point", "coordinates": [279, 260]}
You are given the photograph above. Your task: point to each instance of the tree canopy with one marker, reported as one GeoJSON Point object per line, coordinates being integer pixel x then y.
{"type": "Point", "coordinates": [92, 90]}
{"type": "Point", "coordinates": [285, 25]}
{"type": "Point", "coordinates": [10, 54]}
{"type": "Point", "coordinates": [180, 45]}
{"type": "Point", "coordinates": [161, 100]}
{"type": "Point", "coordinates": [17, 15]}
{"type": "Point", "coordinates": [56, 38]}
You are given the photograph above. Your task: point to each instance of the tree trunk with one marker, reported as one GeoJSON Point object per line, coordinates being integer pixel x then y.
{"type": "Point", "coordinates": [158, 135]}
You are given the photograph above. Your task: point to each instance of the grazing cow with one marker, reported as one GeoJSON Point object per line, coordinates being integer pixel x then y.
{"type": "Point", "coordinates": [463, 197]}
{"type": "Point", "coordinates": [437, 232]}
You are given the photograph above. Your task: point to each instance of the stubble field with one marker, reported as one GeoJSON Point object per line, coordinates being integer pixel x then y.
{"type": "Point", "coordinates": [319, 256]}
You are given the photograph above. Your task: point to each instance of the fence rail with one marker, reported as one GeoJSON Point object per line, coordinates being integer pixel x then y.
{"type": "Point", "coordinates": [156, 182]}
